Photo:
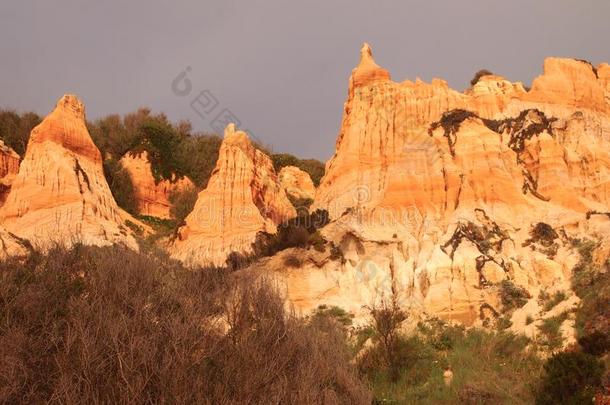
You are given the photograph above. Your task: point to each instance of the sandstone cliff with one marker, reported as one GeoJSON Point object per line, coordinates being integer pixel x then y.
{"type": "Point", "coordinates": [296, 183]}
{"type": "Point", "coordinates": [435, 193]}
{"type": "Point", "coordinates": [60, 194]}
{"type": "Point", "coordinates": [9, 166]}
{"type": "Point", "coordinates": [152, 196]}
{"type": "Point", "coordinates": [243, 197]}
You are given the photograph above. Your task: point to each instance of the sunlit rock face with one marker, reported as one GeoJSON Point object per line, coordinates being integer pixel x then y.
{"type": "Point", "coordinates": [9, 166]}
{"type": "Point", "coordinates": [60, 195]}
{"type": "Point", "coordinates": [242, 198]}
{"type": "Point", "coordinates": [152, 195]}
{"type": "Point", "coordinates": [296, 183]}
{"type": "Point", "coordinates": [435, 193]}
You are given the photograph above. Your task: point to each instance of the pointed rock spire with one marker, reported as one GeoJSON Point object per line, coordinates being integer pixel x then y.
{"type": "Point", "coordinates": [243, 197]}
{"type": "Point", "coordinates": [65, 126]}
{"type": "Point", "coordinates": [367, 71]}
{"type": "Point", "coordinates": [60, 194]}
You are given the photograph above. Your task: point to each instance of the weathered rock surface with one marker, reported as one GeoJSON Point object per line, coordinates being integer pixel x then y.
{"type": "Point", "coordinates": [152, 196]}
{"type": "Point", "coordinates": [12, 246]}
{"type": "Point", "coordinates": [243, 197]}
{"type": "Point", "coordinates": [60, 194]}
{"type": "Point", "coordinates": [296, 183]}
{"type": "Point", "coordinates": [9, 166]}
{"type": "Point", "coordinates": [434, 193]}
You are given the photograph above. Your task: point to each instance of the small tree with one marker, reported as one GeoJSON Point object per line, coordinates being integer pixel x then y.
{"type": "Point", "coordinates": [183, 202]}
{"type": "Point", "coordinates": [571, 378]}
{"type": "Point", "coordinates": [120, 185]}
{"type": "Point", "coordinates": [386, 319]}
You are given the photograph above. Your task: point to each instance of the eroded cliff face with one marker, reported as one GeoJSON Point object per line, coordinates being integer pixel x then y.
{"type": "Point", "coordinates": [152, 196]}
{"type": "Point", "coordinates": [9, 166]}
{"type": "Point", "coordinates": [60, 194]}
{"type": "Point", "coordinates": [435, 193]}
{"type": "Point", "coordinates": [296, 183]}
{"type": "Point", "coordinates": [242, 198]}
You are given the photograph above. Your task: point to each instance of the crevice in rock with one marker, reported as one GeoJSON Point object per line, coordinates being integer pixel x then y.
{"type": "Point", "coordinates": [78, 170]}
{"type": "Point", "coordinates": [591, 213]}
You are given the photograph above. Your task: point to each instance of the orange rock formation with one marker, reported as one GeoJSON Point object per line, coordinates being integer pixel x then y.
{"type": "Point", "coordinates": [434, 192]}
{"type": "Point", "coordinates": [60, 194]}
{"type": "Point", "coordinates": [152, 196]}
{"type": "Point", "coordinates": [243, 197]}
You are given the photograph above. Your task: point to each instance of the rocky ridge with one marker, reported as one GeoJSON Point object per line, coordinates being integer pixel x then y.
{"type": "Point", "coordinates": [243, 197]}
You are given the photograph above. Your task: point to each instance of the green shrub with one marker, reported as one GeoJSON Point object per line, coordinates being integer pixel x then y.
{"type": "Point", "coordinates": [487, 366]}
{"type": "Point", "coordinates": [592, 285]}
{"type": "Point", "coordinates": [570, 378]}
{"type": "Point", "coordinates": [183, 202]}
{"type": "Point", "coordinates": [504, 323]}
{"type": "Point", "coordinates": [550, 328]}
{"type": "Point", "coordinates": [172, 148]}
{"type": "Point", "coordinates": [441, 335]}
{"type": "Point", "coordinates": [550, 302]}
{"type": "Point", "coordinates": [120, 185]}
{"type": "Point", "coordinates": [543, 233]}
{"type": "Point", "coordinates": [386, 318]}
{"type": "Point", "coordinates": [512, 296]}
{"type": "Point", "coordinates": [596, 343]}
{"type": "Point", "coordinates": [111, 136]}
{"type": "Point", "coordinates": [198, 155]}
{"type": "Point", "coordinates": [160, 140]}
{"type": "Point", "coordinates": [15, 129]}
{"type": "Point", "coordinates": [336, 313]}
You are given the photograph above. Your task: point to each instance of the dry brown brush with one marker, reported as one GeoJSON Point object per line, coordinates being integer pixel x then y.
{"type": "Point", "coordinates": [107, 325]}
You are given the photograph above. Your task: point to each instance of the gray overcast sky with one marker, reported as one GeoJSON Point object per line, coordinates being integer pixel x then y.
{"type": "Point", "coordinates": [281, 67]}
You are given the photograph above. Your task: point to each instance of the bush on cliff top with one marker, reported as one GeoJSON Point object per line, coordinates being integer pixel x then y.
{"type": "Point", "coordinates": [479, 75]}
{"type": "Point", "coordinates": [313, 167]}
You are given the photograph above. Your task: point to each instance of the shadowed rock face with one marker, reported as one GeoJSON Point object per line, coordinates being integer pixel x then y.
{"type": "Point", "coordinates": [243, 197]}
{"type": "Point", "coordinates": [417, 164]}
{"type": "Point", "coordinates": [152, 196]}
{"type": "Point", "coordinates": [9, 166]}
{"type": "Point", "coordinates": [60, 194]}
